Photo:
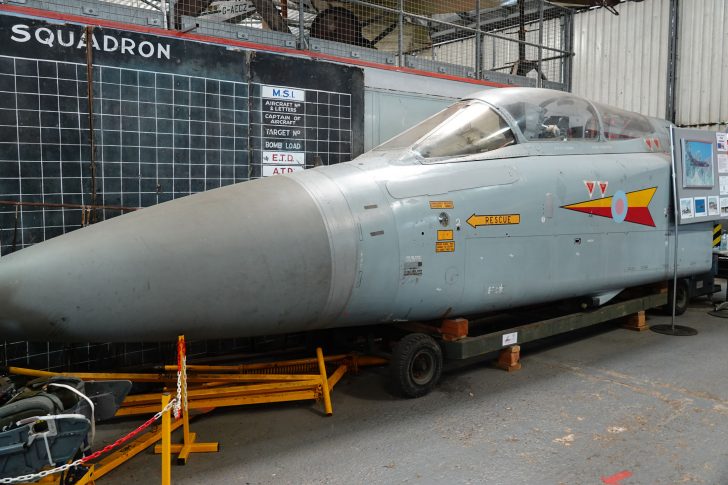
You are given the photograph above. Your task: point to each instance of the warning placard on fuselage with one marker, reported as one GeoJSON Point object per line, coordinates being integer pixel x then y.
{"type": "Point", "coordinates": [494, 219]}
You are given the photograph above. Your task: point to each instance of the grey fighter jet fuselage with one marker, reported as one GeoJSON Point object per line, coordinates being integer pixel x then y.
{"type": "Point", "coordinates": [513, 197]}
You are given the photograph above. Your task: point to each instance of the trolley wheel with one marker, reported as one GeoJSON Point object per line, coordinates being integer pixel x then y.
{"type": "Point", "coordinates": [416, 365]}
{"type": "Point", "coordinates": [682, 300]}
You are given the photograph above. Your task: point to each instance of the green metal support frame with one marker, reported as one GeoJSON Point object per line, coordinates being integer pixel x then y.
{"type": "Point", "coordinates": [470, 347]}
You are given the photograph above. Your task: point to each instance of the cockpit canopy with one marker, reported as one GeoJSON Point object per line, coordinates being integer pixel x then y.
{"type": "Point", "coordinates": [501, 117]}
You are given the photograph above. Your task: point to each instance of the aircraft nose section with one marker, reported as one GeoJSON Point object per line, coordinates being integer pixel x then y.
{"type": "Point", "coordinates": [248, 259]}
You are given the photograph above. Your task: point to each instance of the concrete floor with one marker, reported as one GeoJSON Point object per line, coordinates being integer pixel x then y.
{"type": "Point", "coordinates": [581, 411]}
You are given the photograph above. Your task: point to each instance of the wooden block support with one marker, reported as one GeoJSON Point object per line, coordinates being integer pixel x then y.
{"type": "Point", "coordinates": [454, 329]}
{"type": "Point", "coordinates": [636, 321]}
{"type": "Point", "coordinates": [509, 358]}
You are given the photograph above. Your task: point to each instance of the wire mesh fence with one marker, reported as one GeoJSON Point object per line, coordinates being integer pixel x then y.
{"type": "Point", "coordinates": [526, 42]}
{"type": "Point", "coordinates": [60, 357]}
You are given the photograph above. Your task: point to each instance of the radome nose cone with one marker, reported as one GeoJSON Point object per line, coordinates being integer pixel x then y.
{"type": "Point", "coordinates": [248, 259]}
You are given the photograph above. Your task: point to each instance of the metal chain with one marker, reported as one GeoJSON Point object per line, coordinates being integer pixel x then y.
{"type": "Point", "coordinates": [93, 456]}
{"type": "Point", "coordinates": [181, 370]}
{"type": "Point", "coordinates": [178, 400]}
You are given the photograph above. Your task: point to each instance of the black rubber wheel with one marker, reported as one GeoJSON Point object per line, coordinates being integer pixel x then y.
{"type": "Point", "coordinates": [681, 303]}
{"type": "Point", "coordinates": [416, 365]}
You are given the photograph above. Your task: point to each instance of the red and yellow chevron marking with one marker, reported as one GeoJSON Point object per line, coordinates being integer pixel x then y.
{"type": "Point", "coordinates": [638, 211]}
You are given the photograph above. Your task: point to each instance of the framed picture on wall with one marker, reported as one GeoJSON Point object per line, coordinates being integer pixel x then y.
{"type": "Point", "coordinates": [701, 209]}
{"type": "Point", "coordinates": [713, 206]}
{"type": "Point", "coordinates": [686, 208]}
{"type": "Point", "coordinates": [697, 163]}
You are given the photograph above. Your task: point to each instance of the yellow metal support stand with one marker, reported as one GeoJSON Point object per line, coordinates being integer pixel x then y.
{"type": "Point", "coordinates": [324, 382]}
{"type": "Point", "coordinates": [166, 442]}
{"type": "Point", "coordinates": [188, 444]}
{"type": "Point", "coordinates": [125, 454]}
{"type": "Point", "coordinates": [89, 477]}
{"type": "Point", "coordinates": [220, 386]}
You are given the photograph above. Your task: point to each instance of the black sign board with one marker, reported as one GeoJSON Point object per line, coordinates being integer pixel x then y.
{"type": "Point", "coordinates": [303, 113]}
{"type": "Point", "coordinates": [170, 117]}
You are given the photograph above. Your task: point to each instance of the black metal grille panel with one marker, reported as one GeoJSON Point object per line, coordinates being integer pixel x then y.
{"type": "Point", "coordinates": [158, 136]}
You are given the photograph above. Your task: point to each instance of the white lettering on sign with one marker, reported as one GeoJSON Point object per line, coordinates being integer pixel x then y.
{"type": "Point", "coordinates": [281, 119]}
{"type": "Point", "coordinates": [21, 33]}
{"type": "Point", "coordinates": [275, 105]}
{"type": "Point", "coordinates": [283, 145]}
{"type": "Point", "coordinates": [284, 158]}
{"type": "Point", "coordinates": [269, 170]}
{"type": "Point", "coordinates": [227, 9]}
{"type": "Point", "coordinates": [279, 92]}
{"type": "Point", "coordinates": [277, 132]}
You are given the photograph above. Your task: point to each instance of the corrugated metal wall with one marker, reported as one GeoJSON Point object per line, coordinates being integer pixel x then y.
{"type": "Point", "coordinates": [702, 73]}
{"type": "Point", "coordinates": [622, 60]}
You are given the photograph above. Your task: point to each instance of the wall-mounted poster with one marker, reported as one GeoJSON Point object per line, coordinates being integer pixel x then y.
{"type": "Point", "coordinates": [697, 164]}
{"type": "Point", "coordinates": [722, 163]}
{"type": "Point", "coordinates": [724, 206]}
{"type": "Point", "coordinates": [722, 141]}
{"type": "Point", "coordinates": [686, 208]}
{"type": "Point", "coordinates": [713, 209]}
{"type": "Point", "coordinates": [701, 209]}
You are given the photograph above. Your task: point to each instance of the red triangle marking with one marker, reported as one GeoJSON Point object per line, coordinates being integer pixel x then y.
{"type": "Point", "coordinates": [640, 215]}
{"type": "Point", "coordinates": [603, 187]}
{"type": "Point", "coordinates": [590, 184]}
{"type": "Point", "coordinates": [649, 143]}
{"type": "Point", "coordinates": [657, 142]}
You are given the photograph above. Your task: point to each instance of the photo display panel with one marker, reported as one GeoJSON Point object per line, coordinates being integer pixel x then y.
{"type": "Point", "coordinates": [701, 170]}
{"type": "Point", "coordinates": [170, 118]}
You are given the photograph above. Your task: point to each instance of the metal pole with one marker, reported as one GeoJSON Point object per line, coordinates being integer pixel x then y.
{"type": "Point", "coordinates": [521, 38]}
{"type": "Point", "coordinates": [478, 43]}
{"type": "Point", "coordinates": [91, 130]}
{"type": "Point", "coordinates": [163, 8]}
{"type": "Point", "coordinates": [540, 44]}
{"type": "Point", "coordinates": [494, 52]}
{"type": "Point", "coordinates": [563, 45]}
{"type": "Point", "coordinates": [172, 21]}
{"type": "Point", "coordinates": [302, 44]}
{"type": "Point", "coordinates": [672, 61]}
{"type": "Point", "coordinates": [569, 46]}
{"type": "Point", "coordinates": [676, 215]}
{"type": "Point", "coordinates": [400, 33]}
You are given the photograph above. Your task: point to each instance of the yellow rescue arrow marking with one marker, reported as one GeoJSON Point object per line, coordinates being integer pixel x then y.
{"type": "Point", "coordinates": [494, 220]}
